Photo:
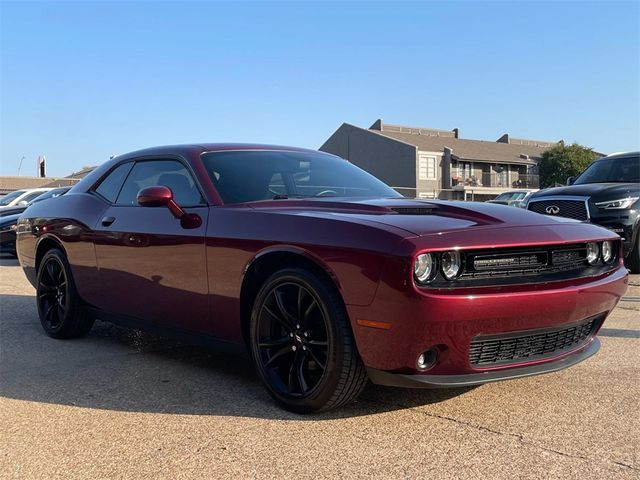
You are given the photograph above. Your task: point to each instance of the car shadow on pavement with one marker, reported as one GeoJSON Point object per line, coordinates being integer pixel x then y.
{"type": "Point", "coordinates": [122, 369]}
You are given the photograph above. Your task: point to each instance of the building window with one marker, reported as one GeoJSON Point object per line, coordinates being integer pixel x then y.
{"type": "Point", "coordinates": [464, 170]}
{"type": "Point", "coordinates": [427, 168]}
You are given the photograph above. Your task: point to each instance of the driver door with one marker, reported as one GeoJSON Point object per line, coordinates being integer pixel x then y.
{"type": "Point", "coordinates": [150, 267]}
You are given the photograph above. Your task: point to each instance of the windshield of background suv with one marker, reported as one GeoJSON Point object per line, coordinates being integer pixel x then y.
{"type": "Point", "coordinates": [246, 176]}
{"type": "Point", "coordinates": [620, 170]}
{"type": "Point", "coordinates": [56, 192]}
{"type": "Point", "coordinates": [509, 196]}
{"type": "Point", "coordinates": [10, 197]}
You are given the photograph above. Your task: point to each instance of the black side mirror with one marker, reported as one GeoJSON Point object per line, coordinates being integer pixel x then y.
{"type": "Point", "coordinates": [570, 180]}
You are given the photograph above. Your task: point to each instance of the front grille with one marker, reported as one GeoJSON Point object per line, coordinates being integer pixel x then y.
{"type": "Point", "coordinates": [524, 261]}
{"type": "Point", "coordinates": [531, 345]}
{"type": "Point", "coordinates": [576, 209]}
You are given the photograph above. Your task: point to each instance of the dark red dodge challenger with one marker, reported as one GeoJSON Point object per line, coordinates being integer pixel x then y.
{"type": "Point", "coordinates": [327, 275]}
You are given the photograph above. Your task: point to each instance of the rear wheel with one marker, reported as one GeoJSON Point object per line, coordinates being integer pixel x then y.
{"type": "Point", "coordinates": [302, 344]}
{"type": "Point", "coordinates": [61, 311]}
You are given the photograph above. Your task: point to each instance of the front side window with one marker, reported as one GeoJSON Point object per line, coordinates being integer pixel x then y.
{"type": "Point", "coordinates": [247, 176]}
{"type": "Point", "coordinates": [618, 170]}
{"type": "Point", "coordinates": [169, 173]}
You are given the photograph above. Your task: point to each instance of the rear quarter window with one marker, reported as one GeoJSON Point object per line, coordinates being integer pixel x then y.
{"type": "Point", "coordinates": [110, 186]}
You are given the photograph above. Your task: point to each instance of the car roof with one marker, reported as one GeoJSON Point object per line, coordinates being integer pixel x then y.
{"type": "Point", "coordinates": [621, 155]}
{"type": "Point", "coordinates": [199, 148]}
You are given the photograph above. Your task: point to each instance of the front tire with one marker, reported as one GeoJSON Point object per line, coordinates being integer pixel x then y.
{"type": "Point", "coordinates": [302, 344]}
{"type": "Point", "coordinates": [61, 311]}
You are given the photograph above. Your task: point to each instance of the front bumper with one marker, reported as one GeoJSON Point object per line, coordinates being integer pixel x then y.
{"type": "Point", "coordinates": [380, 377]}
{"type": "Point", "coordinates": [624, 225]}
{"type": "Point", "coordinates": [450, 320]}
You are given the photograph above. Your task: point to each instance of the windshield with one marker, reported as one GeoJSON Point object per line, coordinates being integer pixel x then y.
{"type": "Point", "coordinates": [622, 170]}
{"type": "Point", "coordinates": [10, 197]}
{"type": "Point", "coordinates": [246, 176]}
{"type": "Point", "coordinates": [508, 196]}
{"type": "Point", "coordinates": [56, 192]}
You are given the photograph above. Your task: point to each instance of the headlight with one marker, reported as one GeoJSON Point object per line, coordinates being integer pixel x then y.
{"type": "Point", "coordinates": [619, 204]}
{"type": "Point", "coordinates": [608, 254]}
{"type": "Point", "coordinates": [451, 264]}
{"type": "Point", "coordinates": [593, 252]}
{"type": "Point", "coordinates": [423, 267]}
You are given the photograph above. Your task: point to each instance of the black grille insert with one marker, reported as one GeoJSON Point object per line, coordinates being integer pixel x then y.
{"type": "Point", "coordinates": [532, 344]}
{"type": "Point", "coordinates": [576, 209]}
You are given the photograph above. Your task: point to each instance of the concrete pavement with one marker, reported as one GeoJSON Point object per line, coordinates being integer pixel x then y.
{"type": "Point", "coordinates": [125, 404]}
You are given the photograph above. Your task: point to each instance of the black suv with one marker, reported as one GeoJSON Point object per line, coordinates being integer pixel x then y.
{"type": "Point", "coordinates": [606, 193]}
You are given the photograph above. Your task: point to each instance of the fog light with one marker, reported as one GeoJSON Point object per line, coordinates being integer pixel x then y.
{"type": "Point", "coordinates": [427, 359]}
{"type": "Point", "coordinates": [593, 252]}
{"type": "Point", "coordinates": [607, 251]}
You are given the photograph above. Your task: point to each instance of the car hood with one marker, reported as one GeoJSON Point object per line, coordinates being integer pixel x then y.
{"type": "Point", "coordinates": [6, 211]}
{"type": "Point", "coordinates": [9, 219]}
{"type": "Point", "coordinates": [416, 217]}
{"type": "Point", "coordinates": [590, 189]}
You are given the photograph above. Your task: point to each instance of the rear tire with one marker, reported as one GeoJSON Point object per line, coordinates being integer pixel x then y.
{"type": "Point", "coordinates": [62, 313]}
{"type": "Point", "coordinates": [632, 261]}
{"type": "Point", "coordinates": [302, 344]}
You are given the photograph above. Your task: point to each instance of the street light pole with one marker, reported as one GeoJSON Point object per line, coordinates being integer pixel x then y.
{"type": "Point", "coordinates": [20, 165]}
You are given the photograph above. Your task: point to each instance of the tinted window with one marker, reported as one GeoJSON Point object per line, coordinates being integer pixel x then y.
{"type": "Point", "coordinates": [169, 173]}
{"type": "Point", "coordinates": [31, 196]}
{"type": "Point", "coordinates": [56, 192]}
{"type": "Point", "coordinates": [10, 197]}
{"type": "Point", "coordinates": [625, 169]}
{"type": "Point", "coordinates": [249, 176]}
{"type": "Point", "coordinates": [110, 186]}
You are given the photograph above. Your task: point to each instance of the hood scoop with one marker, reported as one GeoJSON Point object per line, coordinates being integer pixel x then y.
{"type": "Point", "coordinates": [414, 210]}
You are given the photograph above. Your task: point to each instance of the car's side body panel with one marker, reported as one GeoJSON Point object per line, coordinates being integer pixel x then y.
{"type": "Point", "coordinates": [147, 252]}
{"type": "Point", "coordinates": [352, 254]}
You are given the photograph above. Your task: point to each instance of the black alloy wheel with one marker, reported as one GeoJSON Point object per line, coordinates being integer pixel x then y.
{"type": "Point", "coordinates": [61, 311]}
{"type": "Point", "coordinates": [52, 292]}
{"type": "Point", "coordinates": [292, 339]}
{"type": "Point", "coordinates": [302, 344]}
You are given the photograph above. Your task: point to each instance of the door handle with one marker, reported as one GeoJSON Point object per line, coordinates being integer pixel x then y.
{"type": "Point", "coordinates": [107, 221]}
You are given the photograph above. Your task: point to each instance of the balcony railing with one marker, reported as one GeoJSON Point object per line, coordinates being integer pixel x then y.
{"type": "Point", "coordinates": [497, 180]}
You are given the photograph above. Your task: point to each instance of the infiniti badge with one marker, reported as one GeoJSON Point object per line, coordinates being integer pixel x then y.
{"type": "Point", "coordinates": [552, 210]}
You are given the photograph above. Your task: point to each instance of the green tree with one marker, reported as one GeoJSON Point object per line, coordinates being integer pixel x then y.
{"type": "Point", "coordinates": [562, 161]}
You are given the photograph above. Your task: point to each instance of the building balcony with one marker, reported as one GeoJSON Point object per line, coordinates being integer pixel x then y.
{"type": "Point", "coordinates": [496, 181]}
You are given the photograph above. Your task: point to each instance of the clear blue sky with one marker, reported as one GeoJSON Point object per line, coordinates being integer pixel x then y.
{"type": "Point", "coordinates": [84, 80]}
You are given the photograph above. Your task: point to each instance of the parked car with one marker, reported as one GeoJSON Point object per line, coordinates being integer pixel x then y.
{"type": "Point", "coordinates": [326, 274]}
{"type": "Point", "coordinates": [513, 198]}
{"type": "Point", "coordinates": [20, 197]}
{"type": "Point", "coordinates": [8, 225]}
{"type": "Point", "coordinates": [9, 220]}
{"type": "Point", "coordinates": [607, 193]}
{"type": "Point", "coordinates": [22, 206]}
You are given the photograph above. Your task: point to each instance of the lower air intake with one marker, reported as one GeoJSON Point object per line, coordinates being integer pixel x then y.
{"type": "Point", "coordinates": [532, 344]}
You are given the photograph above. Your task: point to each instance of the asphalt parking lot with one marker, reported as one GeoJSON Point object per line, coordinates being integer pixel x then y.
{"type": "Point", "coordinates": [124, 404]}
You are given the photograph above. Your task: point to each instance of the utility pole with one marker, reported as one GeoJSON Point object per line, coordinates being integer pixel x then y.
{"type": "Point", "coordinates": [20, 165]}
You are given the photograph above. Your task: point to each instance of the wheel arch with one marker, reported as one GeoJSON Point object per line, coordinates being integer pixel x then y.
{"type": "Point", "coordinates": [269, 261]}
{"type": "Point", "coordinates": [46, 243]}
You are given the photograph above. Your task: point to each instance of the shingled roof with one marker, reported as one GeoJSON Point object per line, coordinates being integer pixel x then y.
{"type": "Point", "coordinates": [504, 150]}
